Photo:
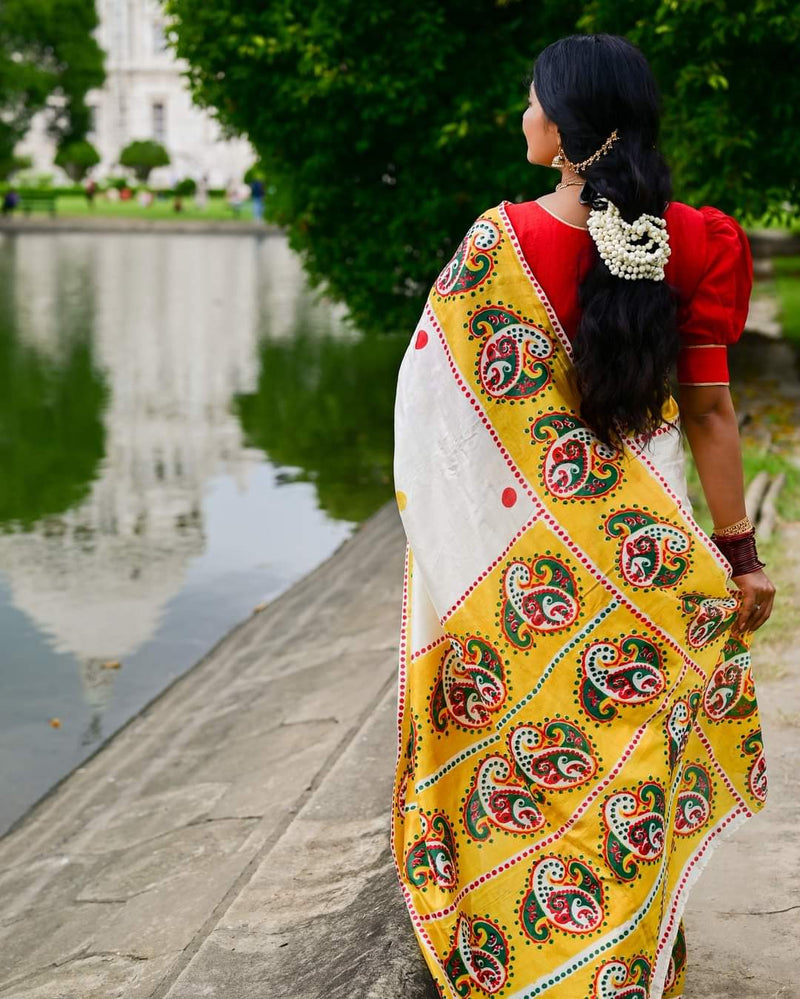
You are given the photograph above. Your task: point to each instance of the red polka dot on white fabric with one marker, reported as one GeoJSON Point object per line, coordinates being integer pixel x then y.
{"type": "Point", "coordinates": [422, 339]}
{"type": "Point", "coordinates": [509, 496]}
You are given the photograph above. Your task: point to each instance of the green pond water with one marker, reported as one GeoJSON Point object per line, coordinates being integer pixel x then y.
{"type": "Point", "coordinates": [185, 430]}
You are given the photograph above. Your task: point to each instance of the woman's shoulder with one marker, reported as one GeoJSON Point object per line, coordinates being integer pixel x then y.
{"type": "Point", "coordinates": [534, 217]}
{"type": "Point", "coordinates": [713, 269]}
{"type": "Point", "coordinates": [707, 220]}
{"type": "Point", "coordinates": [709, 240]}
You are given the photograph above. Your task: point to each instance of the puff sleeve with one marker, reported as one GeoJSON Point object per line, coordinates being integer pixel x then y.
{"type": "Point", "coordinates": [715, 314]}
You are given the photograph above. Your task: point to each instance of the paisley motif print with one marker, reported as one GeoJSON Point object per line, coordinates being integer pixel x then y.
{"type": "Point", "coordinates": [563, 896]}
{"type": "Point", "coordinates": [556, 755]}
{"type": "Point", "coordinates": [497, 799]}
{"type": "Point", "coordinates": [431, 858]}
{"type": "Point", "coordinates": [677, 960]}
{"type": "Point", "coordinates": [511, 361]}
{"type": "Point", "coordinates": [711, 616]}
{"type": "Point", "coordinates": [473, 261]}
{"type": "Point", "coordinates": [576, 465]}
{"type": "Point", "coordinates": [619, 980]}
{"type": "Point", "coordinates": [625, 672]}
{"type": "Point", "coordinates": [470, 685]}
{"type": "Point", "coordinates": [634, 828]}
{"type": "Point", "coordinates": [731, 692]}
{"type": "Point", "coordinates": [479, 958]}
{"type": "Point", "coordinates": [541, 597]}
{"type": "Point", "coordinates": [753, 746]}
{"type": "Point", "coordinates": [651, 549]}
{"type": "Point", "coordinates": [405, 779]}
{"type": "Point", "coordinates": [678, 725]}
{"type": "Point", "coordinates": [693, 807]}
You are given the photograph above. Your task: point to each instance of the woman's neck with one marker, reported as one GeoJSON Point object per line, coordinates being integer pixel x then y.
{"type": "Point", "coordinates": [564, 204]}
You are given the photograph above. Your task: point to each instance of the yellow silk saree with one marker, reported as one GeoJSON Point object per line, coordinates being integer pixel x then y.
{"type": "Point", "coordinates": [577, 722]}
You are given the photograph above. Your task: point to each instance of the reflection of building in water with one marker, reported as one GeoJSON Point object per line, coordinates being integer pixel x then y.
{"type": "Point", "coordinates": [175, 331]}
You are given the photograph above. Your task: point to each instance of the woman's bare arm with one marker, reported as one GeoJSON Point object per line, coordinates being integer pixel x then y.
{"type": "Point", "coordinates": [709, 419]}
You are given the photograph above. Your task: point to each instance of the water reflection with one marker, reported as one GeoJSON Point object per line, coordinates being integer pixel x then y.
{"type": "Point", "coordinates": [52, 395]}
{"type": "Point", "coordinates": [326, 405]}
{"type": "Point", "coordinates": [140, 516]}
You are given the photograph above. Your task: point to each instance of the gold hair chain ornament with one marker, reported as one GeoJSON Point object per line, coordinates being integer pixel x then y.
{"type": "Point", "coordinates": [560, 159]}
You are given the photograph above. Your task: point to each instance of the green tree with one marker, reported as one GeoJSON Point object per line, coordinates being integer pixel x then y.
{"type": "Point", "coordinates": [142, 156]}
{"type": "Point", "coordinates": [730, 89]}
{"type": "Point", "coordinates": [77, 158]}
{"type": "Point", "coordinates": [384, 130]}
{"type": "Point", "coordinates": [11, 164]}
{"type": "Point", "coordinates": [48, 57]}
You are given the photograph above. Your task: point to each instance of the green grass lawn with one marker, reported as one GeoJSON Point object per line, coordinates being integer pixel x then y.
{"type": "Point", "coordinates": [787, 288]}
{"type": "Point", "coordinates": [217, 210]}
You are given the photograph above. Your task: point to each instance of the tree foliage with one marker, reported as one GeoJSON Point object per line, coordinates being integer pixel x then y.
{"type": "Point", "coordinates": [731, 90]}
{"type": "Point", "coordinates": [47, 50]}
{"type": "Point", "coordinates": [142, 156]}
{"type": "Point", "coordinates": [384, 129]}
{"type": "Point", "coordinates": [77, 158]}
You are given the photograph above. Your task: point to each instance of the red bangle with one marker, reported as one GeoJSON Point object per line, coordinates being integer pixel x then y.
{"type": "Point", "coordinates": [740, 551]}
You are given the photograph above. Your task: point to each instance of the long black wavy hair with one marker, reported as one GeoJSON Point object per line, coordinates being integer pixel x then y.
{"type": "Point", "coordinates": [627, 338]}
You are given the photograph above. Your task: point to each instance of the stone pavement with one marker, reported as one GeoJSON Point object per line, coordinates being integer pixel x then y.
{"type": "Point", "coordinates": [232, 840]}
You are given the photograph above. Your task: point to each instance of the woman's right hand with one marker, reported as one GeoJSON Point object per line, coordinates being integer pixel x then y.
{"type": "Point", "coordinates": [758, 595]}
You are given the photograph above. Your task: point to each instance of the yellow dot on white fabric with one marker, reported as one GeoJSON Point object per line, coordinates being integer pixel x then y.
{"type": "Point", "coordinates": [401, 499]}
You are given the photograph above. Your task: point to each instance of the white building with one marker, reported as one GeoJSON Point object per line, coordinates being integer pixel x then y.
{"type": "Point", "coordinates": [146, 97]}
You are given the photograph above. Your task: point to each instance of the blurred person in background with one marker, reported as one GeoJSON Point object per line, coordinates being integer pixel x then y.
{"type": "Point", "coordinates": [257, 195]}
{"type": "Point", "coordinates": [201, 193]}
{"type": "Point", "coordinates": [10, 201]}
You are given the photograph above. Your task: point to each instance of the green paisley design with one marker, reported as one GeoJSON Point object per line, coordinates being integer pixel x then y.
{"type": "Point", "coordinates": [677, 960]}
{"type": "Point", "coordinates": [511, 362]}
{"type": "Point", "coordinates": [479, 959]}
{"type": "Point", "coordinates": [731, 692]}
{"type": "Point", "coordinates": [693, 807]}
{"type": "Point", "coordinates": [651, 550]}
{"type": "Point", "coordinates": [473, 261]}
{"type": "Point", "coordinates": [498, 799]}
{"type": "Point", "coordinates": [470, 686]}
{"type": "Point", "coordinates": [710, 617]}
{"type": "Point", "coordinates": [619, 979]}
{"type": "Point", "coordinates": [563, 895]}
{"type": "Point", "coordinates": [634, 828]}
{"type": "Point", "coordinates": [555, 756]}
{"type": "Point", "coordinates": [628, 671]}
{"type": "Point", "coordinates": [576, 465]}
{"type": "Point", "coordinates": [431, 858]}
{"type": "Point", "coordinates": [538, 597]}
{"type": "Point", "coordinates": [753, 745]}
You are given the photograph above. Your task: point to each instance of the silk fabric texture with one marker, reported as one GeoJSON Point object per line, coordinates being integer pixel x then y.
{"type": "Point", "coordinates": [577, 722]}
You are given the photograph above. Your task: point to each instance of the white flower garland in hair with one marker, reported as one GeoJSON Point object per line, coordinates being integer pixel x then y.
{"type": "Point", "coordinates": [630, 250]}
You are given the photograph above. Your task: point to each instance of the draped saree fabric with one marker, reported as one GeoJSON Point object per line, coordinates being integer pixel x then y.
{"type": "Point", "coordinates": [577, 722]}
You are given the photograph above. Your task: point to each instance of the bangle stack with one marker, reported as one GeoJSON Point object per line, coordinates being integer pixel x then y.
{"type": "Point", "coordinates": [737, 543]}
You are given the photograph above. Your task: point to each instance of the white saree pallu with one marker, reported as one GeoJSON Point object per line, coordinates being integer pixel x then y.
{"type": "Point", "coordinates": [577, 722]}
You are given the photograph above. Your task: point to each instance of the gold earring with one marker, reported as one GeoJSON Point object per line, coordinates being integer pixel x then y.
{"type": "Point", "coordinates": [559, 160]}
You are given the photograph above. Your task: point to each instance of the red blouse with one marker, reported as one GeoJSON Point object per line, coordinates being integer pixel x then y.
{"type": "Point", "coordinates": [710, 265]}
